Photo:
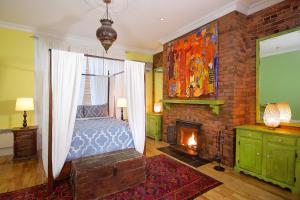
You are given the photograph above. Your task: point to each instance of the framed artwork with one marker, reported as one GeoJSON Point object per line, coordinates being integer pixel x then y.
{"type": "Point", "coordinates": [193, 63]}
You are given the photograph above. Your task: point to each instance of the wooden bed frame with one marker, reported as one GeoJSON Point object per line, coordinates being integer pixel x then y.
{"type": "Point", "coordinates": [65, 172]}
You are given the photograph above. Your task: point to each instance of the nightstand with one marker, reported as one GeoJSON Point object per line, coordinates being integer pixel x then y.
{"type": "Point", "coordinates": [153, 128]}
{"type": "Point", "coordinates": [25, 142]}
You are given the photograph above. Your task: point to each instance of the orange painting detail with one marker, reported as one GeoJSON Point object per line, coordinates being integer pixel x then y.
{"type": "Point", "coordinates": [193, 63]}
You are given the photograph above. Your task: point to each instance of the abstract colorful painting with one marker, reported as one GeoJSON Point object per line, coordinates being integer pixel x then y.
{"type": "Point", "coordinates": [193, 63]}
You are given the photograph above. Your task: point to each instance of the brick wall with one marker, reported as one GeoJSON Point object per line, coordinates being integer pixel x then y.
{"type": "Point", "coordinates": [237, 36]}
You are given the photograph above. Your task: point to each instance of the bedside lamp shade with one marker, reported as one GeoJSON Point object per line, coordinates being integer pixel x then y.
{"type": "Point", "coordinates": [272, 115]}
{"type": "Point", "coordinates": [285, 112]}
{"type": "Point", "coordinates": [24, 104]}
{"type": "Point", "coordinates": [157, 107]}
{"type": "Point", "coordinates": [122, 103]}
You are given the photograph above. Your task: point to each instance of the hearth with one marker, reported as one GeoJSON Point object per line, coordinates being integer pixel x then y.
{"type": "Point", "coordinates": [187, 137]}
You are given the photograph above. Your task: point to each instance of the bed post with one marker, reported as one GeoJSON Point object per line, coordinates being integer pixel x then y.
{"type": "Point", "coordinates": [145, 110]}
{"type": "Point", "coordinates": [50, 172]}
{"type": "Point", "coordinates": [108, 89]}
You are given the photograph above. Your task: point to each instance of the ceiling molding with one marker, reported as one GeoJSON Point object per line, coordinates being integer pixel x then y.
{"type": "Point", "coordinates": [18, 27]}
{"type": "Point", "coordinates": [237, 5]}
{"type": "Point", "coordinates": [262, 5]}
{"type": "Point", "coordinates": [200, 22]}
{"type": "Point", "coordinates": [93, 43]}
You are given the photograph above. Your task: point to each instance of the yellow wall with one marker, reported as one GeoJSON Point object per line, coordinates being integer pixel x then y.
{"type": "Point", "coordinates": [158, 86]}
{"type": "Point", "coordinates": [16, 75]}
{"type": "Point", "coordinates": [139, 57]}
{"type": "Point", "coordinates": [149, 91]}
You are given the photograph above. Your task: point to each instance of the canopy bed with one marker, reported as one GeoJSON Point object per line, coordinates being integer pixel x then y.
{"type": "Point", "coordinates": [71, 138]}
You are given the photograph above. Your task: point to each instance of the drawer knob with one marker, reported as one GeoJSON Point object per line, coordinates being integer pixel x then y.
{"type": "Point", "coordinates": [268, 156]}
{"type": "Point", "coordinates": [258, 154]}
{"type": "Point", "coordinates": [249, 134]}
{"type": "Point", "coordinates": [280, 140]}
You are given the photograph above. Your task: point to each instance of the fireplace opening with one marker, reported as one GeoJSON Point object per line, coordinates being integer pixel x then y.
{"type": "Point", "coordinates": [188, 137]}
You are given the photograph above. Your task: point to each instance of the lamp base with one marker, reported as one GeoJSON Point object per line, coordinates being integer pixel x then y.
{"type": "Point", "coordinates": [122, 116]}
{"type": "Point", "coordinates": [219, 168]}
{"type": "Point", "coordinates": [25, 120]}
{"type": "Point", "coordinates": [272, 128]}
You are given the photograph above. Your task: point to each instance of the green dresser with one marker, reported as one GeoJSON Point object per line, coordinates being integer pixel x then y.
{"type": "Point", "coordinates": [271, 155]}
{"type": "Point", "coordinates": [154, 125]}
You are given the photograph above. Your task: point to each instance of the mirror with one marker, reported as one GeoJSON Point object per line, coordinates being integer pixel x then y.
{"type": "Point", "coordinates": [278, 72]}
{"type": "Point", "coordinates": [158, 87]}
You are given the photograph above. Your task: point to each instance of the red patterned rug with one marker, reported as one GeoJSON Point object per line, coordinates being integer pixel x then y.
{"type": "Point", "coordinates": [166, 179]}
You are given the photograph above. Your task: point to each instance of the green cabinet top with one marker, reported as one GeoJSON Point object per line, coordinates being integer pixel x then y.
{"type": "Point", "coordinates": [281, 131]}
{"type": "Point", "coordinates": [154, 114]}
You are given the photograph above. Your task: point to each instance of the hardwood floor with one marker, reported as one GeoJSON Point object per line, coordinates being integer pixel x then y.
{"type": "Point", "coordinates": [15, 175]}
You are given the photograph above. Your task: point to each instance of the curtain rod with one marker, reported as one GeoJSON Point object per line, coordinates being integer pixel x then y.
{"type": "Point", "coordinates": [103, 75]}
{"type": "Point", "coordinates": [93, 56]}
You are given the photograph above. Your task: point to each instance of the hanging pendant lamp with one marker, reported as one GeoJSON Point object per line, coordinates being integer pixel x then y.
{"type": "Point", "coordinates": [106, 34]}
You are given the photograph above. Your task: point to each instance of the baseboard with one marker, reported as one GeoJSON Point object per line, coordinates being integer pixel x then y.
{"type": "Point", "coordinates": [6, 151]}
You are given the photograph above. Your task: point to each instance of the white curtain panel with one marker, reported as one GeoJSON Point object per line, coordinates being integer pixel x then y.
{"type": "Point", "coordinates": [99, 83]}
{"type": "Point", "coordinates": [42, 96]}
{"type": "Point", "coordinates": [117, 86]}
{"type": "Point", "coordinates": [82, 85]}
{"type": "Point", "coordinates": [134, 81]}
{"type": "Point", "coordinates": [66, 76]}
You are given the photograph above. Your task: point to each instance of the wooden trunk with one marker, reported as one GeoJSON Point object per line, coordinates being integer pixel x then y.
{"type": "Point", "coordinates": [101, 175]}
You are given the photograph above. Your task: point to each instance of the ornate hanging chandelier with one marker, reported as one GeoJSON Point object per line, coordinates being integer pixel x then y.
{"type": "Point", "coordinates": [106, 34]}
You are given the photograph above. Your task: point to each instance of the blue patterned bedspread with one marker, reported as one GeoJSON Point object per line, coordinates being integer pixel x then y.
{"type": "Point", "coordinates": [96, 136]}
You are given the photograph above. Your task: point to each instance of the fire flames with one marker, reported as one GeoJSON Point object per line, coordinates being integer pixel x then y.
{"type": "Point", "coordinates": [192, 141]}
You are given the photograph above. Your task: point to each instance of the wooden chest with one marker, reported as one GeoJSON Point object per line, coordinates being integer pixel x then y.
{"type": "Point", "coordinates": [25, 142]}
{"type": "Point", "coordinates": [101, 175]}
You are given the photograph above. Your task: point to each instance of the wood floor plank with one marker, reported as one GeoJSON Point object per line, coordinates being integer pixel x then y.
{"type": "Point", "coordinates": [16, 175]}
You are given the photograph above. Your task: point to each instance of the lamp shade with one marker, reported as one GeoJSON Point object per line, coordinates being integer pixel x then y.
{"type": "Point", "coordinates": [122, 103]}
{"type": "Point", "coordinates": [272, 115]}
{"type": "Point", "coordinates": [24, 104]}
{"type": "Point", "coordinates": [157, 107]}
{"type": "Point", "coordinates": [285, 112]}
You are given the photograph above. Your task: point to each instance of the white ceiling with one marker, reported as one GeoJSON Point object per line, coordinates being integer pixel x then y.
{"type": "Point", "coordinates": [280, 44]}
{"type": "Point", "coordinates": [138, 22]}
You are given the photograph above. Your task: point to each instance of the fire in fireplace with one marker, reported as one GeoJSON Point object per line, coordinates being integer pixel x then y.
{"type": "Point", "coordinates": [188, 137]}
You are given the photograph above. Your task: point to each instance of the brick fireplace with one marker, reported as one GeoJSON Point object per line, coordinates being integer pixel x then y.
{"type": "Point", "coordinates": [237, 74]}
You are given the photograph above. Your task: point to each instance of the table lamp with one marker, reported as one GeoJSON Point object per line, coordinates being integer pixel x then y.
{"type": "Point", "coordinates": [122, 103]}
{"type": "Point", "coordinates": [272, 116]}
{"type": "Point", "coordinates": [157, 107]}
{"type": "Point", "coordinates": [285, 112]}
{"type": "Point", "coordinates": [24, 104]}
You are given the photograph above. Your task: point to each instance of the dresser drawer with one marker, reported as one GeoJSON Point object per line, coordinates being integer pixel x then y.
{"type": "Point", "coordinates": [249, 134]}
{"type": "Point", "coordinates": [281, 140]}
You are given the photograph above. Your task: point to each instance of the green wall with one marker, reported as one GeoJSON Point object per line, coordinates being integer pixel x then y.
{"type": "Point", "coordinates": [16, 75]}
{"type": "Point", "coordinates": [281, 80]}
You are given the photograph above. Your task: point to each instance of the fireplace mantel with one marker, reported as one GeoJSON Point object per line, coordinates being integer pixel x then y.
{"type": "Point", "coordinates": [212, 103]}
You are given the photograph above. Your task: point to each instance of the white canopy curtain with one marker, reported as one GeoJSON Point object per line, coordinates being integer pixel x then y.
{"type": "Point", "coordinates": [82, 85]}
{"type": "Point", "coordinates": [99, 85]}
{"type": "Point", "coordinates": [66, 76]}
{"type": "Point", "coordinates": [134, 81]}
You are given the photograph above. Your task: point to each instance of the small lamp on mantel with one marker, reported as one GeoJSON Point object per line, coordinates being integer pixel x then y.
{"type": "Point", "coordinates": [285, 112]}
{"type": "Point", "coordinates": [272, 116]}
{"type": "Point", "coordinates": [157, 107]}
{"type": "Point", "coordinates": [122, 103]}
{"type": "Point", "coordinates": [24, 104]}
